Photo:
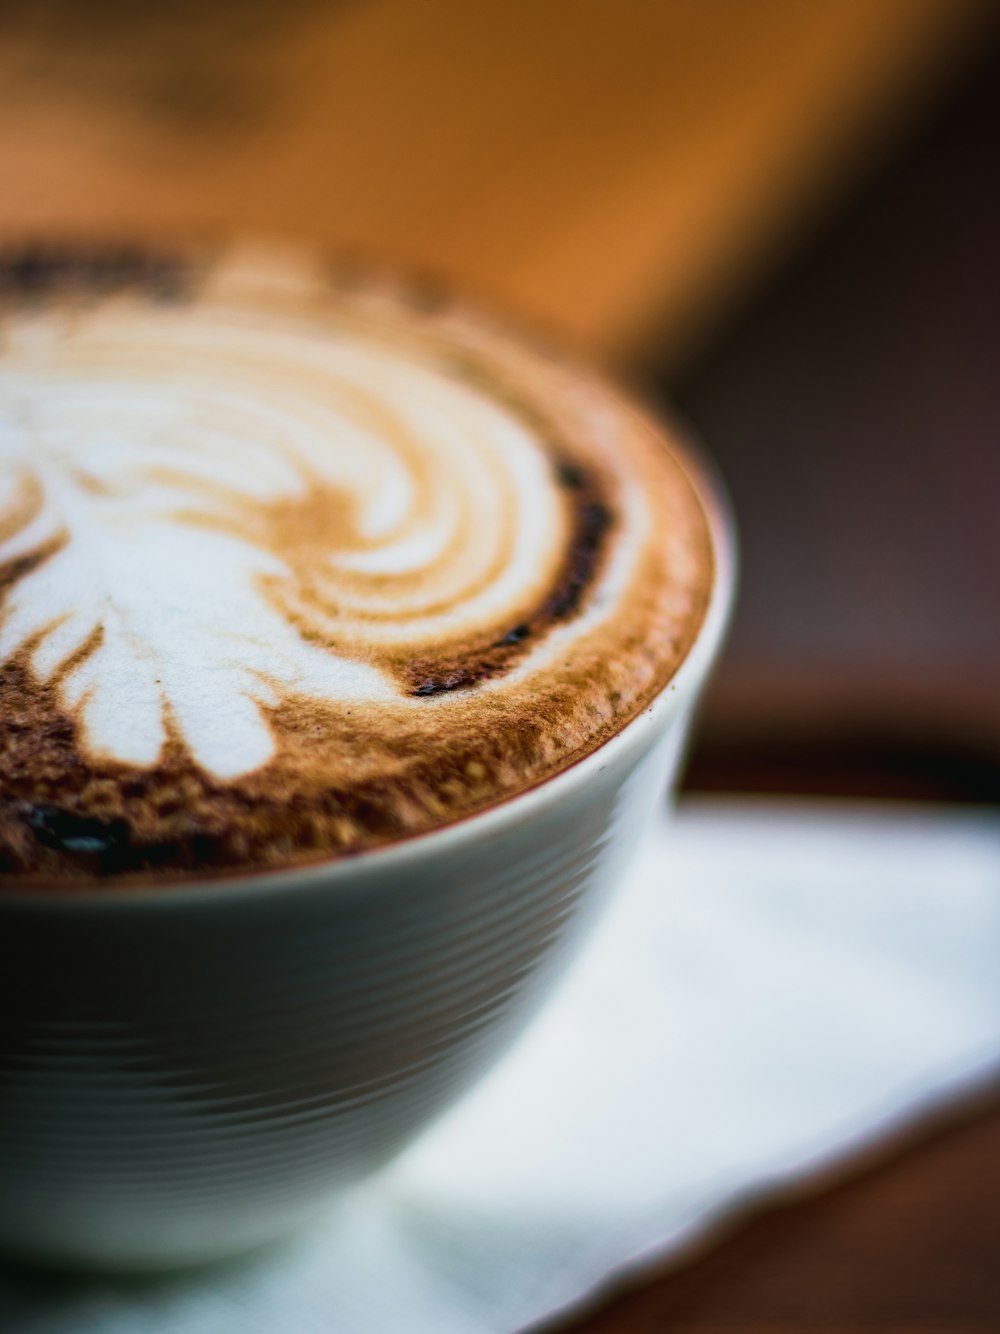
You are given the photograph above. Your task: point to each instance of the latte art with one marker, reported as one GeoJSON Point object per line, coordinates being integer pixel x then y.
{"type": "Point", "coordinates": [287, 572]}
{"type": "Point", "coordinates": [213, 551]}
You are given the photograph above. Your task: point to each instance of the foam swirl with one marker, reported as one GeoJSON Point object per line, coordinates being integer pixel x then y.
{"type": "Point", "coordinates": [315, 569]}
{"type": "Point", "coordinates": [239, 510]}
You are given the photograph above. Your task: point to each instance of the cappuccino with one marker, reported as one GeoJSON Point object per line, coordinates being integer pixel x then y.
{"type": "Point", "coordinates": [296, 562]}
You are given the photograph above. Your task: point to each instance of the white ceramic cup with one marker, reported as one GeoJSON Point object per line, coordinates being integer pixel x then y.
{"type": "Point", "coordinates": [188, 1072]}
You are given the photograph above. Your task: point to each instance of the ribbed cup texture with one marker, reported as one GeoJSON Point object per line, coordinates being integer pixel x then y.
{"type": "Point", "coordinates": [182, 1078]}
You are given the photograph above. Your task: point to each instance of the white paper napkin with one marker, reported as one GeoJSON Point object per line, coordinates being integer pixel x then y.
{"type": "Point", "coordinates": [776, 986]}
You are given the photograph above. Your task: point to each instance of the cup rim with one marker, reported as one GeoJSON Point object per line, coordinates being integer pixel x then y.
{"type": "Point", "coordinates": [341, 874]}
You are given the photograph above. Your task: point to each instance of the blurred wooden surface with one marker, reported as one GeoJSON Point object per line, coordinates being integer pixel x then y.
{"type": "Point", "coordinates": [613, 168]}
{"type": "Point", "coordinates": [909, 1247]}
{"type": "Point", "coordinates": [854, 411]}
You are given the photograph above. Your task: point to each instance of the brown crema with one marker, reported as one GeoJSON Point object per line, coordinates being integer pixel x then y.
{"type": "Point", "coordinates": [296, 562]}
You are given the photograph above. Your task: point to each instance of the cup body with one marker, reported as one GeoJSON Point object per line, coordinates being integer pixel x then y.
{"type": "Point", "coordinates": [188, 1072]}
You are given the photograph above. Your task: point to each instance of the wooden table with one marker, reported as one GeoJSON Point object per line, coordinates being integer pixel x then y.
{"type": "Point", "coordinates": [906, 1246]}
{"type": "Point", "coordinates": [614, 168]}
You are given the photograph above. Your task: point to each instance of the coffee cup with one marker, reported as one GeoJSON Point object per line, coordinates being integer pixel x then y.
{"type": "Point", "coordinates": [193, 1065]}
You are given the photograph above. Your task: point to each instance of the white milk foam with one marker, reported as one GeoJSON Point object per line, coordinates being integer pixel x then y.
{"type": "Point", "coordinates": [161, 473]}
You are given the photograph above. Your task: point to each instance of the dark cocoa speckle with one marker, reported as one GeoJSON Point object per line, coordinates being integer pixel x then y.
{"type": "Point", "coordinates": [570, 475]}
{"type": "Point", "coordinates": [65, 831]}
{"type": "Point", "coordinates": [438, 685]}
{"type": "Point", "coordinates": [45, 270]}
{"type": "Point", "coordinates": [515, 636]}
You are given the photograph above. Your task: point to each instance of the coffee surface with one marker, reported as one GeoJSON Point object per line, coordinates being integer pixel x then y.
{"type": "Point", "coordinates": [294, 563]}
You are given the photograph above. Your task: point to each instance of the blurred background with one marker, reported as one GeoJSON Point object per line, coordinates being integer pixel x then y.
{"type": "Point", "coordinates": [781, 215]}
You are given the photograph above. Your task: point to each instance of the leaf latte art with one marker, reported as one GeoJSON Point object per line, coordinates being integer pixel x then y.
{"type": "Point", "coordinates": [290, 570]}
{"type": "Point", "coordinates": [189, 576]}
